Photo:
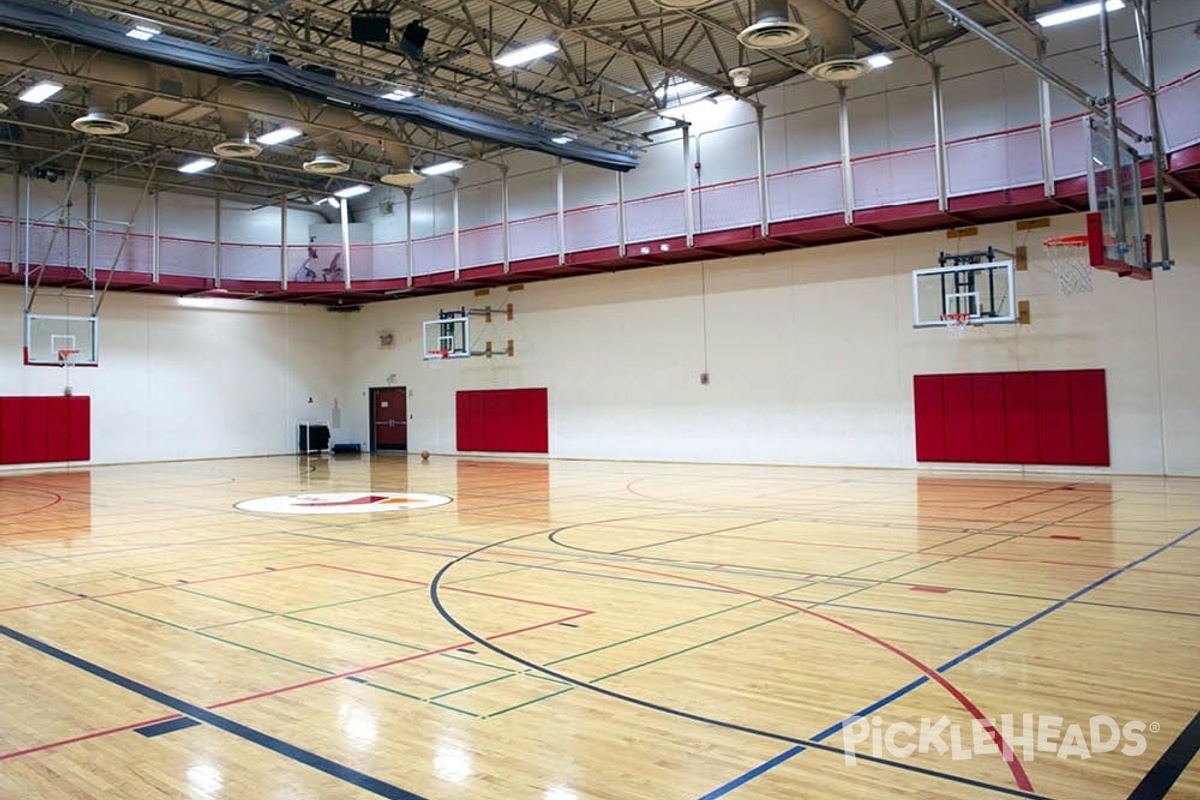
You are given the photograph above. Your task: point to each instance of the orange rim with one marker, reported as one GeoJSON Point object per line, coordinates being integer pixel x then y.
{"type": "Point", "coordinates": [1079, 240]}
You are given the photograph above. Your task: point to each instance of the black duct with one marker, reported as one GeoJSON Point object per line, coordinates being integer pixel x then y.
{"type": "Point", "coordinates": [368, 27]}
{"type": "Point", "coordinates": [40, 17]}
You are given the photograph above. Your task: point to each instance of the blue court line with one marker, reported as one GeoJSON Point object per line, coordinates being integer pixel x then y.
{"type": "Point", "coordinates": [1170, 765]}
{"type": "Point", "coordinates": [984, 645]}
{"type": "Point", "coordinates": [278, 746]}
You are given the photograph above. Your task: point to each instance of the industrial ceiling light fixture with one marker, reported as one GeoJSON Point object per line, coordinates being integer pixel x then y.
{"type": "Point", "coordinates": [143, 31]}
{"type": "Point", "coordinates": [879, 60]}
{"type": "Point", "coordinates": [40, 92]}
{"type": "Point", "coordinates": [352, 191]}
{"type": "Point", "coordinates": [1073, 12]}
{"type": "Point", "coordinates": [523, 55]}
{"type": "Point", "coordinates": [279, 136]}
{"type": "Point", "coordinates": [197, 165]}
{"type": "Point", "coordinates": [326, 164]}
{"type": "Point", "coordinates": [442, 168]}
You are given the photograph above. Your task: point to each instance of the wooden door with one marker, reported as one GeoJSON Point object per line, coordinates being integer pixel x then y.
{"type": "Point", "coordinates": [389, 418]}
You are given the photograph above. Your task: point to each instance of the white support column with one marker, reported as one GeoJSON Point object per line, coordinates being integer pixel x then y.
{"type": "Point", "coordinates": [939, 140]}
{"type": "Point", "coordinates": [14, 248]}
{"type": "Point", "coordinates": [560, 216]}
{"type": "Point", "coordinates": [217, 241]}
{"type": "Point", "coordinates": [764, 206]}
{"type": "Point", "coordinates": [689, 221]}
{"type": "Point", "coordinates": [283, 243]}
{"type": "Point", "coordinates": [156, 241]}
{"type": "Point", "coordinates": [89, 232]}
{"type": "Point", "coordinates": [408, 237]}
{"type": "Point", "coordinates": [505, 242]}
{"type": "Point", "coordinates": [844, 139]}
{"type": "Point", "coordinates": [455, 236]}
{"type": "Point", "coordinates": [1044, 126]}
{"type": "Point", "coordinates": [345, 209]}
{"type": "Point", "coordinates": [621, 214]}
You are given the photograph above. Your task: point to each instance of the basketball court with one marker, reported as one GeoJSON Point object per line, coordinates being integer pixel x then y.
{"type": "Point", "coordinates": [723, 418]}
{"type": "Point", "coordinates": [574, 629]}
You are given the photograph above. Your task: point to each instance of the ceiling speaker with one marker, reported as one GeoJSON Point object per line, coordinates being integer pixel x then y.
{"type": "Point", "coordinates": [413, 39]}
{"type": "Point", "coordinates": [370, 27]}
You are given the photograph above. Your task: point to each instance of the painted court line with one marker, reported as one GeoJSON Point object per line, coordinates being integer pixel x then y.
{"type": "Point", "coordinates": [278, 746]}
{"type": "Point", "coordinates": [1170, 765]}
{"type": "Point", "coordinates": [999, 637]}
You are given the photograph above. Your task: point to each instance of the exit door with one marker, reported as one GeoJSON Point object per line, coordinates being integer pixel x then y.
{"type": "Point", "coordinates": [389, 418]}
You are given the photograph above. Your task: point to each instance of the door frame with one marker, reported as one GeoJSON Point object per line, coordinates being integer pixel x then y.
{"type": "Point", "coordinates": [371, 392]}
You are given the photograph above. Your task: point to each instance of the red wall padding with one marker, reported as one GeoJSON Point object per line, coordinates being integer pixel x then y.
{"type": "Point", "coordinates": [503, 421]}
{"type": "Point", "coordinates": [40, 429]}
{"type": "Point", "coordinates": [1038, 417]}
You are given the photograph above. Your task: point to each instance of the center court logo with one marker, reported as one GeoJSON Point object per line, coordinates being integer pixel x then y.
{"type": "Point", "coordinates": [342, 503]}
{"type": "Point", "coordinates": [1024, 736]}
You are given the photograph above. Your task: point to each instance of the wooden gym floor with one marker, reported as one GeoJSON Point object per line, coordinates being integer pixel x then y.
{"type": "Point", "coordinates": [578, 630]}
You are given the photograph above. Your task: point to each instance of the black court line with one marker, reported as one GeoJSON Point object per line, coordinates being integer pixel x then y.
{"type": "Point", "coordinates": [285, 749]}
{"type": "Point", "coordinates": [171, 725]}
{"type": "Point", "coordinates": [1162, 776]}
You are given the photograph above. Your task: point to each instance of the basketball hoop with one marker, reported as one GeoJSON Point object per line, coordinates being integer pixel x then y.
{"type": "Point", "coordinates": [956, 324]}
{"type": "Point", "coordinates": [66, 358]}
{"type": "Point", "coordinates": [1069, 255]}
{"type": "Point", "coordinates": [433, 355]}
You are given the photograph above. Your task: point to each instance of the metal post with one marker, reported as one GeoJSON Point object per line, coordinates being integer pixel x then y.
{"type": "Point", "coordinates": [345, 209]}
{"type": "Point", "coordinates": [283, 243]}
{"type": "Point", "coordinates": [14, 249]}
{"type": "Point", "coordinates": [689, 222]}
{"type": "Point", "coordinates": [939, 140]}
{"type": "Point", "coordinates": [844, 143]}
{"type": "Point", "coordinates": [1045, 126]}
{"type": "Point", "coordinates": [217, 241]}
{"type": "Point", "coordinates": [1146, 35]}
{"type": "Point", "coordinates": [764, 218]}
{"type": "Point", "coordinates": [561, 214]}
{"type": "Point", "coordinates": [504, 232]}
{"type": "Point", "coordinates": [156, 241]}
{"type": "Point", "coordinates": [89, 232]}
{"type": "Point", "coordinates": [1110, 106]}
{"type": "Point", "coordinates": [455, 232]}
{"type": "Point", "coordinates": [408, 238]}
{"type": "Point", "coordinates": [621, 214]}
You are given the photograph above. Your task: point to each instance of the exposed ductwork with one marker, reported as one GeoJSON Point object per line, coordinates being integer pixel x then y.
{"type": "Point", "coordinates": [773, 27]}
{"type": "Point", "coordinates": [835, 42]}
{"type": "Point", "coordinates": [683, 4]}
{"type": "Point", "coordinates": [99, 119]}
{"type": "Point", "coordinates": [238, 143]}
{"type": "Point", "coordinates": [326, 164]}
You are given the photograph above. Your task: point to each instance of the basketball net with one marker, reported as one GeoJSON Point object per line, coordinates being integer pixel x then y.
{"type": "Point", "coordinates": [956, 324]}
{"type": "Point", "coordinates": [1069, 255]}
{"type": "Point", "coordinates": [66, 358]}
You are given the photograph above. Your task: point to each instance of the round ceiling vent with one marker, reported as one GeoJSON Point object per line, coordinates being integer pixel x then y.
{"type": "Point", "coordinates": [408, 178]}
{"type": "Point", "coordinates": [771, 34]}
{"type": "Point", "coordinates": [326, 164]}
{"type": "Point", "coordinates": [100, 123]}
{"type": "Point", "coordinates": [682, 4]}
{"type": "Point", "coordinates": [840, 69]}
{"type": "Point", "coordinates": [237, 148]}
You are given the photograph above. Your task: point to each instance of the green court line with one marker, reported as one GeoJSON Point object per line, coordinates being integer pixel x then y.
{"type": "Point", "coordinates": [201, 628]}
{"type": "Point", "coordinates": [358, 600]}
{"type": "Point", "coordinates": [471, 714]}
{"type": "Point", "coordinates": [697, 646]}
{"type": "Point", "coordinates": [169, 624]}
{"type": "Point", "coordinates": [390, 690]}
{"type": "Point", "coordinates": [718, 612]}
{"type": "Point", "coordinates": [354, 633]}
{"type": "Point", "coordinates": [524, 672]}
{"type": "Point", "coordinates": [495, 714]}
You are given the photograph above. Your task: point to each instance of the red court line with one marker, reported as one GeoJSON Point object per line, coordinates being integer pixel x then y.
{"type": "Point", "coordinates": [153, 588]}
{"type": "Point", "coordinates": [1025, 497]}
{"type": "Point", "coordinates": [84, 737]}
{"type": "Point", "coordinates": [58, 498]}
{"type": "Point", "coordinates": [393, 662]}
{"type": "Point", "coordinates": [1014, 765]}
{"type": "Point", "coordinates": [934, 589]}
{"type": "Point", "coordinates": [456, 589]}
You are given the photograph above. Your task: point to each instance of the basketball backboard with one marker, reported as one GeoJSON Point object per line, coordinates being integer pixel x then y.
{"type": "Point", "coordinates": [1115, 194]}
{"type": "Point", "coordinates": [447, 337]}
{"type": "Point", "coordinates": [47, 335]}
{"type": "Point", "coordinates": [985, 292]}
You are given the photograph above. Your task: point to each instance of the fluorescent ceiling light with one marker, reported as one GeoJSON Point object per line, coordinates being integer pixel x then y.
{"type": "Point", "coordinates": [331, 201]}
{"type": "Point", "coordinates": [523, 55]}
{"type": "Point", "coordinates": [1078, 11]}
{"type": "Point", "coordinates": [563, 139]}
{"type": "Point", "coordinates": [352, 191]}
{"type": "Point", "coordinates": [279, 136]}
{"type": "Point", "coordinates": [879, 60]}
{"type": "Point", "coordinates": [198, 165]}
{"type": "Point", "coordinates": [40, 91]}
{"type": "Point", "coordinates": [145, 31]}
{"type": "Point", "coordinates": [442, 168]}
{"type": "Point", "coordinates": [398, 94]}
